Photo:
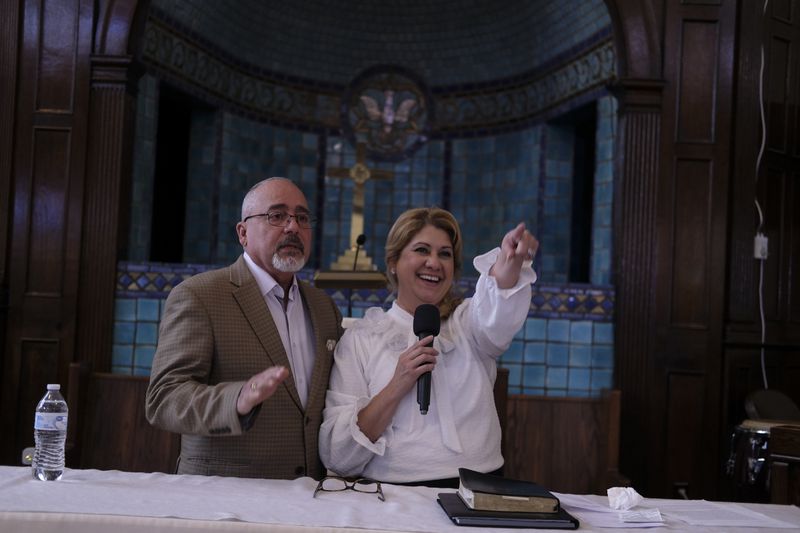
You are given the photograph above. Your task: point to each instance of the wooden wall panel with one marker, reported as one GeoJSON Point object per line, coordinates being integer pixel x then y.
{"type": "Point", "coordinates": [565, 444]}
{"type": "Point", "coordinates": [685, 432]}
{"type": "Point", "coordinates": [48, 187]}
{"type": "Point", "coordinates": [58, 41]}
{"type": "Point", "coordinates": [793, 246]}
{"type": "Point", "coordinates": [39, 364]}
{"type": "Point", "coordinates": [698, 81]}
{"type": "Point", "coordinates": [50, 163]}
{"type": "Point", "coordinates": [691, 242]}
{"type": "Point", "coordinates": [689, 303]}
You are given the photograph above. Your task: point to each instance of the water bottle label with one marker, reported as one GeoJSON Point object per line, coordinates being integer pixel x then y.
{"type": "Point", "coordinates": [51, 421]}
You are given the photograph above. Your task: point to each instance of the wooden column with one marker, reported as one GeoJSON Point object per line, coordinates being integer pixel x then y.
{"type": "Point", "coordinates": [635, 248]}
{"type": "Point", "coordinates": [9, 25]}
{"type": "Point", "coordinates": [107, 204]}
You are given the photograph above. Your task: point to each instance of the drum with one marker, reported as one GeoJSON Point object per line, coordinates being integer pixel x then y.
{"type": "Point", "coordinates": [748, 464]}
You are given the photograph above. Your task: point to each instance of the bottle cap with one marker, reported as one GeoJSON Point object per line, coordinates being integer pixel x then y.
{"type": "Point", "coordinates": [53, 386]}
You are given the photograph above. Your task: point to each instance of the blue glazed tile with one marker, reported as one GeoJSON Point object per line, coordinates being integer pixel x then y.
{"type": "Point", "coordinates": [534, 376]}
{"type": "Point", "coordinates": [141, 371]}
{"type": "Point", "coordinates": [581, 332]}
{"type": "Point", "coordinates": [602, 357]}
{"type": "Point", "coordinates": [601, 379]}
{"type": "Point", "coordinates": [603, 333]}
{"type": "Point", "coordinates": [514, 352]}
{"type": "Point", "coordinates": [146, 333]}
{"type": "Point", "coordinates": [556, 378]}
{"type": "Point", "coordinates": [147, 309]}
{"type": "Point", "coordinates": [143, 356]}
{"type": "Point", "coordinates": [536, 329]}
{"type": "Point", "coordinates": [557, 354]}
{"type": "Point", "coordinates": [558, 330]}
{"type": "Point", "coordinates": [124, 370]}
{"type": "Point", "coordinates": [125, 309]}
{"type": "Point", "coordinates": [514, 375]}
{"type": "Point", "coordinates": [579, 379]}
{"type": "Point", "coordinates": [122, 355]}
{"type": "Point", "coordinates": [557, 392]}
{"type": "Point", "coordinates": [580, 355]}
{"type": "Point", "coordinates": [124, 332]}
{"type": "Point", "coordinates": [535, 352]}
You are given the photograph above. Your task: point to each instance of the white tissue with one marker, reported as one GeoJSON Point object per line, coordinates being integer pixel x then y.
{"type": "Point", "coordinates": [623, 498]}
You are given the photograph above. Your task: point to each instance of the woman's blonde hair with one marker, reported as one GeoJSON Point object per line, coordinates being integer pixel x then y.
{"type": "Point", "coordinates": [406, 227]}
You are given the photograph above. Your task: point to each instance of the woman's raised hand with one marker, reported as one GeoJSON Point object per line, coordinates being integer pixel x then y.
{"type": "Point", "coordinates": [518, 245]}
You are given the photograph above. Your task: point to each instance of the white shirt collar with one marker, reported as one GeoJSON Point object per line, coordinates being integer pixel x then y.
{"type": "Point", "coordinates": [266, 283]}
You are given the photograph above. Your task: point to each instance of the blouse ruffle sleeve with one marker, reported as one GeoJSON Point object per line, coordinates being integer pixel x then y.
{"type": "Point", "coordinates": [496, 314]}
{"type": "Point", "coordinates": [343, 447]}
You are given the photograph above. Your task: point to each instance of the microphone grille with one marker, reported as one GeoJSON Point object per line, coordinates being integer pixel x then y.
{"type": "Point", "coordinates": [426, 320]}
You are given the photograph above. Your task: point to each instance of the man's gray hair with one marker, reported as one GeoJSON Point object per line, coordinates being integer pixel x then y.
{"type": "Point", "coordinates": [247, 202]}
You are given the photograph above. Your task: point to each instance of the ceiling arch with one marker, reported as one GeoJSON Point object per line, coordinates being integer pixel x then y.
{"type": "Point", "coordinates": [445, 42]}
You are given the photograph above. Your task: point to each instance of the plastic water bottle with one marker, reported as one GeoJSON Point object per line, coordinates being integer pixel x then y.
{"type": "Point", "coordinates": [50, 435]}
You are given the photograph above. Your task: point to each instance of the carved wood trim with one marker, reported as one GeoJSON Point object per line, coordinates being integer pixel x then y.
{"type": "Point", "coordinates": [108, 181]}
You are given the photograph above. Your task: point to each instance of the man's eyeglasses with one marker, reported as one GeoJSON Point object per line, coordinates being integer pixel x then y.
{"type": "Point", "coordinates": [281, 218]}
{"type": "Point", "coordinates": [337, 484]}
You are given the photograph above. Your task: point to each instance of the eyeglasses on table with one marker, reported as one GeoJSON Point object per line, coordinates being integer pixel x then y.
{"type": "Point", "coordinates": [338, 484]}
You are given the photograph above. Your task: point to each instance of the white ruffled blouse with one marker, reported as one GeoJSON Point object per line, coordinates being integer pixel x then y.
{"type": "Point", "coordinates": [461, 428]}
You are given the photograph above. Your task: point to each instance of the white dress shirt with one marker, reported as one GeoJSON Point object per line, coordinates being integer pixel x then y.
{"type": "Point", "coordinates": [293, 323]}
{"type": "Point", "coordinates": [461, 428]}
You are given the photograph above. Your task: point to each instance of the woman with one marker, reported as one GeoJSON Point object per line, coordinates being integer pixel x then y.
{"type": "Point", "coordinates": [372, 425]}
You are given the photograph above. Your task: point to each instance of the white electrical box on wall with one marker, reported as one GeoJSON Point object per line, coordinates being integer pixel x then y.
{"type": "Point", "coordinates": [760, 246]}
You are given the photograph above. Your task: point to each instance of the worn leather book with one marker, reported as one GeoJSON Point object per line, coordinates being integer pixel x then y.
{"type": "Point", "coordinates": [487, 492]}
{"type": "Point", "coordinates": [461, 515]}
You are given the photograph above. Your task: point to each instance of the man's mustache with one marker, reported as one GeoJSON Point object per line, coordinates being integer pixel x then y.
{"type": "Point", "coordinates": [292, 240]}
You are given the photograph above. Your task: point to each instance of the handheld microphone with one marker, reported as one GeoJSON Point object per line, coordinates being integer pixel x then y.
{"type": "Point", "coordinates": [360, 240]}
{"type": "Point", "coordinates": [426, 322]}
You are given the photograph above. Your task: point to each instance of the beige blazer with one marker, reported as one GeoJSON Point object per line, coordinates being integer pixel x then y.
{"type": "Point", "coordinates": [216, 332]}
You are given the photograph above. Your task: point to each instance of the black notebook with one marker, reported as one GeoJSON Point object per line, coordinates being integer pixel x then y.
{"type": "Point", "coordinates": [462, 515]}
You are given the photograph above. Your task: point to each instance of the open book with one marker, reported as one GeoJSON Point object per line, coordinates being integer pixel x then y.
{"type": "Point", "coordinates": [487, 492]}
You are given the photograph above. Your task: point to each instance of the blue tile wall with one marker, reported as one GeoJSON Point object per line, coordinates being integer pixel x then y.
{"type": "Point", "coordinates": [494, 186]}
{"type": "Point", "coordinates": [602, 220]}
{"type": "Point", "coordinates": [565, 347]}
{"type": "Point", "coordinates": [556, 204]}
{"type": "Point", "coordinates": [143, 168]}
{"type": "Point", "coordinates": [136, 323]}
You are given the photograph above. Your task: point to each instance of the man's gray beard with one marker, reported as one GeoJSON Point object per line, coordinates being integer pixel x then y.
{"type": "Point", "coordinates": [288, 264]}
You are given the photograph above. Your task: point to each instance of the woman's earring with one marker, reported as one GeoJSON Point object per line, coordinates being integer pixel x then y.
{"type": "Point", "coordinates": [393, 272]}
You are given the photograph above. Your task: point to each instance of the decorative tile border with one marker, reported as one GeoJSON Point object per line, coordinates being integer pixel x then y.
{"type": "Point", "coordinates": [202, 68]}
{"type": "Point", "coordinates": [569, 301]}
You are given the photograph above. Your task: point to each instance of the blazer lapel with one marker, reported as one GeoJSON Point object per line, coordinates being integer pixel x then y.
{"type": "Point", "coordinates": [248, 296]}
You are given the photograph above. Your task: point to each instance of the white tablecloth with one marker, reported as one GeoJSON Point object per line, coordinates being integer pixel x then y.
{"type": "Point", "coordinates": [121, 502]}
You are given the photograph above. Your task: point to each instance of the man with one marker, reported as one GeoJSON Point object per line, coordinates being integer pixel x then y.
{"type": "Point", "coordinates": [245, 352]}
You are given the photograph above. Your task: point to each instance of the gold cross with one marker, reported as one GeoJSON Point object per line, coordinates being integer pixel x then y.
{"type": "Point", "coordinates": [359, 173]}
